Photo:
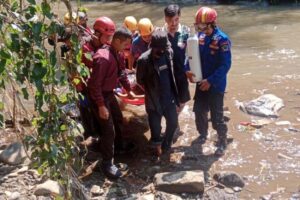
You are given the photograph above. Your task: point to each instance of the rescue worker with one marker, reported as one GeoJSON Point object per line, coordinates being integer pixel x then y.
{"type": "Point", "coordinates": [156, 73]}
{"type": "Point", "coordinates": [104, 28]}
{"type": "Point", "coordinates": [140, 44]}
{"type": "Point", "coordinates": [131, 24]}
{"type": "Point", "coordinates": [103, 80]}
{"type": "Point", "coordinates": [84, 31]}
{"type": "Point", "coordinates": [64, 34]}
{"type": "Point", "coordinates": [178, 35]}
{"type": "Point", "coordinates": [215, 54]}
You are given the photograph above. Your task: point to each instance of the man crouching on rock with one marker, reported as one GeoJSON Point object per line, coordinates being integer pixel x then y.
{"type": "Point", "coordinates": [155, 72]}
{"type": "Point", "coordinates": [104, 78]}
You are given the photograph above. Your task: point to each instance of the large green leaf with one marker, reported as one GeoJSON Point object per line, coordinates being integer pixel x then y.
{"type": "Point", "coordinates": [4, 54]}
{"type": "Point", "coordinates": [53, 59]}
{"type": "Point", "coordinates": [46, 10]}
{"type": "Point", "coordinates": [39, 71]}
{"type": "Point", "coordinates": [15, 42]}
{"type": "Point", "coordinates": [37, 29]}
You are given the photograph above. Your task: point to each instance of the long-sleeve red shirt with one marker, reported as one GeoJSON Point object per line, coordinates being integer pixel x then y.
{"type": "Point", "coordinates": [105, 75]}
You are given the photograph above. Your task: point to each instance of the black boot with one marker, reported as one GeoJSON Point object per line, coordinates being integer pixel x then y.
{"type": "Point", "coordinates": [110, 170]}
{"type": "Point", "coordinates": [221, 146]}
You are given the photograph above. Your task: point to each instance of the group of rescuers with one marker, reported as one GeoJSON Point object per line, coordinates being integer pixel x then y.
{"type": "Point", "coordinates": [157, 55]}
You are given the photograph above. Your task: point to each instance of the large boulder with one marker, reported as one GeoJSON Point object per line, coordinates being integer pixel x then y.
{"type": "Point", "coordinates": [14, 154]}
{"type": "Point", "coordinates": [180, 182]}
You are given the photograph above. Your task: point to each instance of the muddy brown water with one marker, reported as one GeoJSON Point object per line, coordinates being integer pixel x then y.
{"type": "Point", "coordinates": [265, 49]}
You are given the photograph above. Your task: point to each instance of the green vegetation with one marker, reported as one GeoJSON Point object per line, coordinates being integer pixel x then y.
{"type": "Point", "coordinates": [33, 68]}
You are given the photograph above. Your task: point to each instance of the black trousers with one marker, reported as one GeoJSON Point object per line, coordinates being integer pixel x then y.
{"type": "Point", "coordinates": [89, 120]}
{"type": "Point", "coordinates": [154, 118]}
{"type": "Point", "coordinates": [111, 128]}
{"type": "Point", "coordinates": [213, 102]}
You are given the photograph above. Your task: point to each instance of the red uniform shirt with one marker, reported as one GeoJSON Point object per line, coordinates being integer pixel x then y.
{"type": "Point", "coordinates": [105, 75]}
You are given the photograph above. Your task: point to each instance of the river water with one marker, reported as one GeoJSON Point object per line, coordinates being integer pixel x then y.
{"type": "Point", "coordinates": [265, 49]}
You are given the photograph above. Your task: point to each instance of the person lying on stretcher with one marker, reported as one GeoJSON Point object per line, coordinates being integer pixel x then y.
{"type": "Point", "coordinates": [135, 96]}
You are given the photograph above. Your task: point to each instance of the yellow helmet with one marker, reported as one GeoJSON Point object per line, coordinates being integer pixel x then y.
{"type": "Point", "coordinates": [130, 23]}
{"type": "Point", "coordinates": [67, 19]}
{"type": "Point", "coordinates": [145, 27]}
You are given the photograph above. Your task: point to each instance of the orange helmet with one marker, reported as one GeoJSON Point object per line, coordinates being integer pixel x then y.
{"type": "Point", "coordinates": [145, 27]}
{"type": "Point", "coordinates": [130, 23]}
{"type": "Point", "coordinates": [105, 26]}
{"type": "Point", "coordinates": [205, 15]}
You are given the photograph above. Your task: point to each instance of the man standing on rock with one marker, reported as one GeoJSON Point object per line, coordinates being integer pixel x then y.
{"type": "Point", "coordinates": [215, 54]}
{"type": "Point", "coordinates": [104, 78]}
{"type": "Point", "coordinates": [155, 72]}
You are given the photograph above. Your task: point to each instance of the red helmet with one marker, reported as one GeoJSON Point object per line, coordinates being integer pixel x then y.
{"type": "Point", "coordinates": [105, 26]}
{"type": "Point", "coordinates": [205, 15]}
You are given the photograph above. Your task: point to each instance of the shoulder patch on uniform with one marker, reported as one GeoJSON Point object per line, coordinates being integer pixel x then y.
{"type": "Point", "coordinates": [225, 47]}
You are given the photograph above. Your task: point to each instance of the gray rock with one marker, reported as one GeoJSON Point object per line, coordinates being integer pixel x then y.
{"type": "Point", "coordinates": [147, 197]}
{"type": "Point", "coordinates": [133, 197]}
{"type": "Point", "coordinates": [14, 196]}
{"type": "Point", "coordinates": [12, 175]}
{"type": "Point", "coordinates": [96, 190]}
{"type": "Point", "coordinates": [179, 182]}
{"type": "Point", "coordinates": [14, 154]}
{"type": "Point", "coordinates": [220, 194]}
{"type": "Point", "coordinates": [22, 170]}
{"type": "Point", "coordinates": [166, 196]}
{"type": "Point", "coordinates": [49, 187]}
{"type": "Point", "coordinates": [44, 198]}
{"type": "Point", "coordinates": [229, 179]}
{"type": "Point", "coordinates": [147, 188]}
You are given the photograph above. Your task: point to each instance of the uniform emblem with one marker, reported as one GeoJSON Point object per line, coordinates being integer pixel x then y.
{"type": "Point", "coordinates": [225, 46]}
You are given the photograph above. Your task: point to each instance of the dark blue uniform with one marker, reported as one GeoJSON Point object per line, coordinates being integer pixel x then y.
{"type": "Point", "coordinates": [215, 51]}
